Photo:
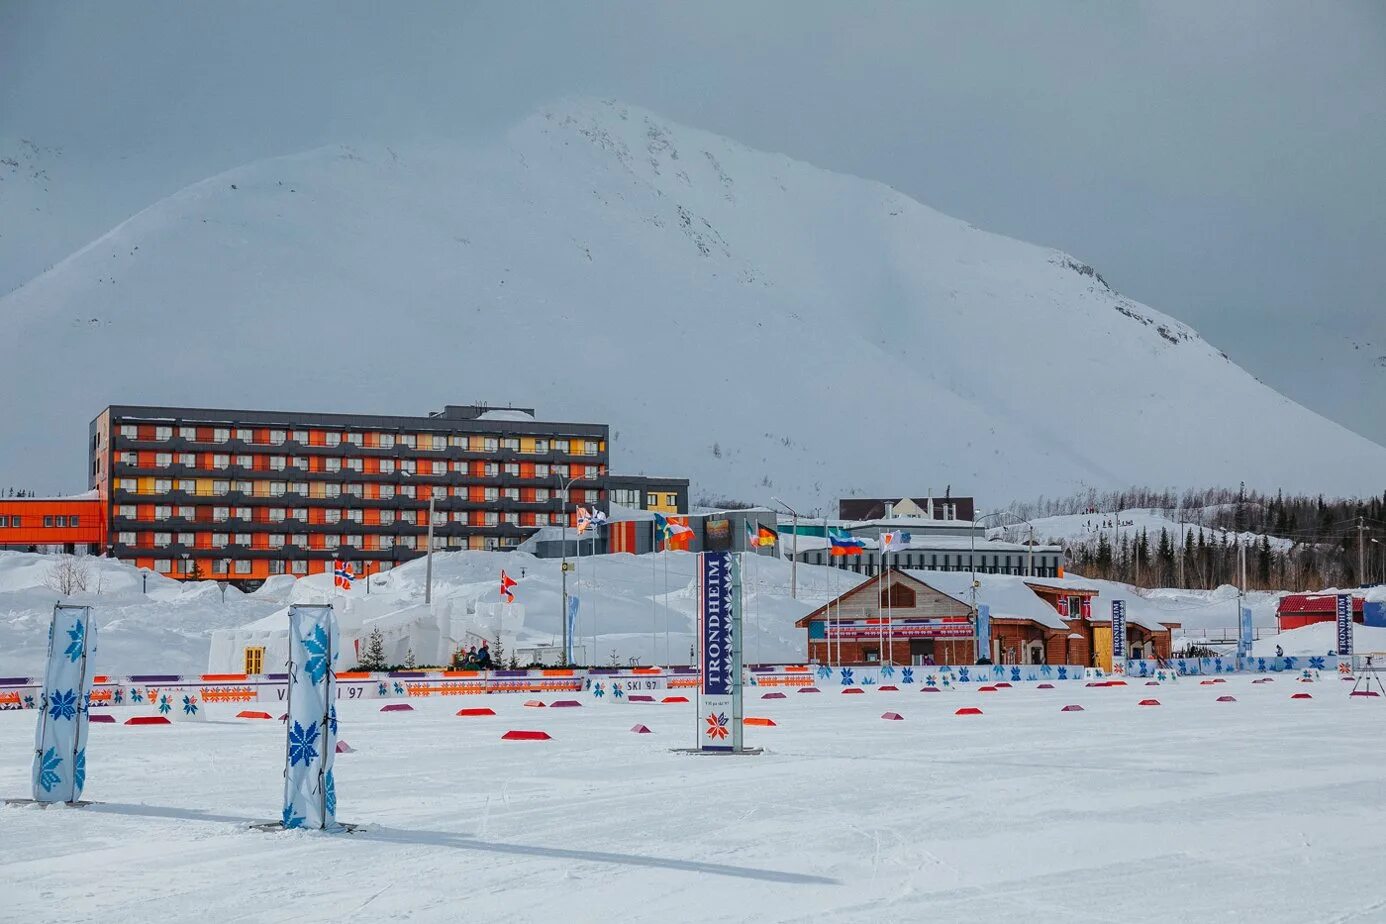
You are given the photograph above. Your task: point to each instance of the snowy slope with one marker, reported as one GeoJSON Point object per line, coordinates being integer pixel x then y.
{"type": "Point", "coordinates": [759, 324]}
{"type": "Point", "coordinates": [1085, 528]}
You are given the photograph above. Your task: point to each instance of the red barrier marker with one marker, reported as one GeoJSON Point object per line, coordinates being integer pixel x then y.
{"type": "Point", "coordinates": [928, 689]}
{"type": "Point", "coordinates": [809, 690]}
{"type": "Point", "coordinates": [892, 716]}
{"type": "Point", "coordinates": [397, 707]}
{"type": "Point", "coordinates": [1152, 683]}
{"type": "Point", "coordinates": [852, 690]}
{"type": "Point", "coordinates": [1116, 683]}
{"type": "Point", "coordinates": [635, 698]}
{"type": "Point", "coordinates": [564, 703]}
{"type": "Point", "coordinates": [1149, 702]}
{"type": "Point", "coordinates": [535, 703]}
{"type": "Point", "coordinates": [772, 696]}
{"type": "Point", "coordinates": [477, 710]}
{"type": "Point", "coordinates": [640, 730]}
{"type": "Point", "coordinates": [888, 689]}
{"type": "Point", "coordinates": [1353, 693]}
{"type": "Point", "coordinates": [147, 720]}
{"type": "Point", "coordinates": [1206, 683]}
{"type": "Point", "coordinates": [1072, 707]}
{"type": "Point", "coordinates": [1301, 696]}
{"type": "Point", "coordinates": [1045, 686]}
{"type": "Point", "coordinates": [674, 699]}
{"type": "Point", "coordinates": [514, 735]}
{"type": "Point", "coordinates": [1227, 699]}
{"type": "Point", "coordinates": [757, 720]}
{"type": "Point", "coordinates": [344, 748]}
{"type": "Point", "coordinates": [101, 717]}
{"type": "Point", "coordinates": [248, 714]}
{"type": "Point", "coordinates": [986, 689]}
{"type": "Point", "coordinates": [968, 710]}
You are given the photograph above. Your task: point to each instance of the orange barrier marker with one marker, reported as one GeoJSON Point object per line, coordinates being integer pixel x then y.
{"type": "Point", "coordinates": [534, 703]}
{"type": "Point", "coordinates": [674, 699]}
{"type": "Point", "coordinates": [757, 720]}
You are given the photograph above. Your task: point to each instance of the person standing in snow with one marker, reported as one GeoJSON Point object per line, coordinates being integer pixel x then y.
{"type": "Point", "coordinates": [1279, 652]}
{"type": "Point", "coordinates": [483, 657]}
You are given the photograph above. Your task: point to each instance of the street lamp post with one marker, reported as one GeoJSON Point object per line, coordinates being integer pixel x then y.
{"type": "Point", "coordinates": [794, 553]}
{"type": "Point", "coordinates": [563, 523]}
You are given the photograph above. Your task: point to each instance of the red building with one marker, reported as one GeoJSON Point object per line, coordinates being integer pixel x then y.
{"type": "Point", "coordinates": [1297, 610]}
{"type": "Point", "coordinates": [53, 524]}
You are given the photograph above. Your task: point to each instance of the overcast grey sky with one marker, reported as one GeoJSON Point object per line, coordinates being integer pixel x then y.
{"type": "Point", "coordinates": [1221, 161]}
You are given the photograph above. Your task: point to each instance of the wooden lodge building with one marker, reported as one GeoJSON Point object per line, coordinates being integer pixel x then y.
{"type": "Point", "coordinates": [926, 617]}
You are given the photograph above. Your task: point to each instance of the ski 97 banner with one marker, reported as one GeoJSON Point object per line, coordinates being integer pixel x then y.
{"type": "Point", "coordinates": [60, 744]}
{"type": "Point", "coordinates": [1118, 636]}
{"type": "Point", "coordinates": [715, 638]}
{"type": "Point", "coordinates": [310, 793]}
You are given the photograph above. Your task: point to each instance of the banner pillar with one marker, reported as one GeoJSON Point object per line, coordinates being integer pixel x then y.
{"type": "Point", "coordinates": [719, 685]}
{"type": "Point", "coordinates": [60, 743]}
{"type": "Point", "coordinates": [738, 707]}
{"type": "Point", "coordinates": [1245, 634]}
{"type": "Point", "coordinates": [1345, 626]}
{"type": "Point", "coordinates": [1118, 636]}
{"type": "Point", "coordinates": [310, 792]}
{"type": "Point", "coordinates": [983, 631]}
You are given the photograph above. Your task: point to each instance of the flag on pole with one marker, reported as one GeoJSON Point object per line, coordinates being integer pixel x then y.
{"type": "Point", "coordinates": [766, 537]}
{"type": "Point", "coordinates": [584, 520]}
{"type": "Point", "coordinates": [843, 543]}
{"type": "Point", "coordinates": [342, 575]}
{"type": "Point", "coordinates": [752, 537]}
{"type": "Point", "coordinates": [598, 517]}
{"type": "Point", "coordinates": [894, 540]}
{"type": "Point", "coordinates": [507, 582]}
{"type": "Point", "coordinates": [667, 529]}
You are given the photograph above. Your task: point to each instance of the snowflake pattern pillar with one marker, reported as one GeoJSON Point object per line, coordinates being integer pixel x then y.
{"type": "Point", "coordinates": [310, 793]}
{"type": "Point", "coordinates": [60, 745]}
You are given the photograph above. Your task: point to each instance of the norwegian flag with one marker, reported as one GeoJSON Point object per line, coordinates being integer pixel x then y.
{"type": "Point", "coordinates": [584, 520]}
{"type": "Point", "coordinates": [507, 582]}
{"type": "Point", "coordinates": [342, 575]}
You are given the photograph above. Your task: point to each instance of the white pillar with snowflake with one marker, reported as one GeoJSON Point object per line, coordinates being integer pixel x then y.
{"type": "Point", "coordinates": [310, 793]}
{"type": "Point", "coordinates": [60, 745]}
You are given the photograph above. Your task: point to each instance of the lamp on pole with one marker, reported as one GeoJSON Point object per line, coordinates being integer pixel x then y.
{"type": "Point", "coordinates": [972, 561]}
{"type": "Point", "coordinates": [794, 554]}
{"type": "Point", "coordinates": [563, 522]}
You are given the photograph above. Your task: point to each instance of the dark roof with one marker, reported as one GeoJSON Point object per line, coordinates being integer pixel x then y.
{"type": "Point", "coordinates": [873, 508]}
{"type": "Point", "coordinates": [445, 421]}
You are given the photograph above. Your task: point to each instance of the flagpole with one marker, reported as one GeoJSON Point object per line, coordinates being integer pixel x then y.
{"type": "Point", "coordinates": [654, 593]}
{"type": "Point", "coordinates": [666, 610]}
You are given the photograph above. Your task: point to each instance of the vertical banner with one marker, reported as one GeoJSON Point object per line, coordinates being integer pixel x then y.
{"type": "Point", "coordinates": [1344, 625]}
{"type": "Point", "coordinates": [1118, 636]}
{"type": "Point", "coordinates": [1245, 636]}
{"type": "Point", "coordinates": [737, 611]}
{"type": "Point", "coordinates": [60, 744]}
{"type": "Point", "coordinates": [716, 687]}
{"type": "Point", "coordinates": [572, 629]}
{"type": "Point", "coordinates": [983, 631]}
{"type": "Point", "coordinates": [310, 793]}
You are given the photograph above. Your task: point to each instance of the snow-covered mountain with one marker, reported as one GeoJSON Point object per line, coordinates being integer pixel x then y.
{"type": "Point", "coordinates": [759, 324]}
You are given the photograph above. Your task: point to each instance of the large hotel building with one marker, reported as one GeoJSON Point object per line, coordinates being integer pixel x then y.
{"type": "Point", "coordinates": [243, 495]}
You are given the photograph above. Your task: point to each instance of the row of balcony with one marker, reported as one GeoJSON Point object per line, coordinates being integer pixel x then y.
{"type": "Point", "coordinates": [342, 527]}
{"type": "Point", "coordinates": [291, 499]}
{"type": "Point", "coordinates": [240, 473]}
{"type": "Point", "coordinates": [291, 447]}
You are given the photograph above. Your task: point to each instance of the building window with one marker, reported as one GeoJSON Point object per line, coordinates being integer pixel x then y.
{"type": "Point", "coordinates": [299, 436]}
{"type": "Point", "coordinates": [187, 433]}
{"type": "Point", "coordinates": [221, 435]}
{"type": "Point", "coordinates": [354, 439]}
{"type": "Point", "coordinates": [163, 513]}
{"type": "Point", "coordinates": [241, 539]}
{"type": "Point", "coordinates": [490, 444]}
{"type": "Point", "coordinates": [276, 567]}
{"type": "Point", "coordinates": [387, 518]}
{"type": "Point", "coordinates": [510, 443]}
{"type": "Point", "coordinates": [129, 431]}
{"type": "Point", "coordinates": [387, 441]}
{"type": "Point", "coordinates": [355, 465]}
{"type": "Point", "coordinates": [387, 466]}
{"type": "Point", "coordinates": [628, 497]}
{"type": "Point", "coordinates": [163, 485]}
{"type": "Point", "coordinates": [276, 541]}
{"type": "Point", "coordinates": [221, 460]}
{"type": "Point", "coordinates": [651, 499]}
{"type": "Point", "coordinates": [187, 539]}
{"type": "Point", "coordinates": [242, 566]}
{"type": "Point", "coordinates": [187, 486]}
{"type": "Point", "coordinates": [163, 434]}
{"type": "Point", "coordinates": [243, 513]}
{"type": "Point", "coordinates": [408, 516]}
{"type": "Point", "coordinates": [188, 459]}
{"type": "Point", "coordinates": [331, 542]}
{"type": "Point", "coordinates": [125, 538]}
{"type": "Point", "coordinates": [298, 566]}
{"type": "Point", "coordinates": [163, 565]}
{"type": "Point", "coordinates": [386, 543]}
{"type": "Point", "coordinates": [276, 514]}
{"type": "Point", "coordinates": [407, 440]}
{"type": "Point", "coordinates": [560, 446]}
{"type": "Point", "coordinates": [276, 437]}
{"type": "Point", "coordinates": [219, 540]}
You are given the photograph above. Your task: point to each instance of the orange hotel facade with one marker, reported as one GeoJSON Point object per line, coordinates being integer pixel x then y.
{"type": "Point", "coordinates": [244, 495]}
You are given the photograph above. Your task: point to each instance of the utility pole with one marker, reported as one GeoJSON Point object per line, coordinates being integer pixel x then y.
{"type": "Point", "coordinates": [1030, 558]}
{"type": "Point", "coordinates": [1361, 558]}
{"type": "Point", "coordinates": [794, 553]}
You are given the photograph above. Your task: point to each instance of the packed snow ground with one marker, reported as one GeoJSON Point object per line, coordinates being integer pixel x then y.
{"type": "Point", "coordinates": [1264, 809]}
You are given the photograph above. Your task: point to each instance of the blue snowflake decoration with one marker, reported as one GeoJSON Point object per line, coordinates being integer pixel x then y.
{"type": "Point", "coordinates": [1217, 665]}
{"type": "Point", "coordinates": [963, 675]}
{"type": "Point", "coordinates": [136, 696]}
{"type": "Point", "coordinates": [1289, 663]}
{"type": "Point", "coordinates": [289, 819]}
{"type": "Point", "coordinates": [303, 744]}
{"type": "Point", "coordinates": [868, 681]}
{"type": "Point", "coordinates": [382, 690]}
{"type": "Point", "coordinates": [63, 705]}
{"type": "Point", "coordinates": [332, 719]}
{"type": "Point", "coordinates": [1063, 672]}
{"type": "Point", "coordinates": [316, 663]}
{"type": "Point", "coordinates": [930, 680]}
{"type": "Point", "coordinates": [77, 634]}
{"type": "Point", "coordinates": [79, 770]}
{"type": "Point", "coordinates": [399, 688]}
{"type": "Point", "coordinates": [118, 696]}
{"type": "Point", "coordinates": [616, 691]}
{"type": "Point", "coordinates": [824, 672]}
{"type": "Point", "coordinates": [1031, 677]}
{"type": "Point", "coordinates": [1015, 674]}
{"type": "Point", "coordinates": [189, 705]}
{"type": "Point", "coordinates": [48, 770]}
{"type": "Point", "coordinates": [1316, 663]}
{"type": "Point", "coordinates": [1046, 670]}
{"type": "Point", "coordinates": [165, 707]}
{"type": "Point", "coordinates": [28, 701]}
{"type": "Point", "coordinates": [1182, 666]}
{"type": "Point", "coordinates": [587, 685]}
{"type": "Point", "coordinates": [846, 676]}
{"type": "Point", "coordinates": [888, 670]}
{"type": "Point", "coordinates": [329, 794]}
{"type": "Point", "coordinates": [754, 681]}
{"type": "Point", "coordinates": [907, 675]}
{"type": "Point", "coordinates": [598, 690]}
{"type": "Point", "coordinates": [998, 671]}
